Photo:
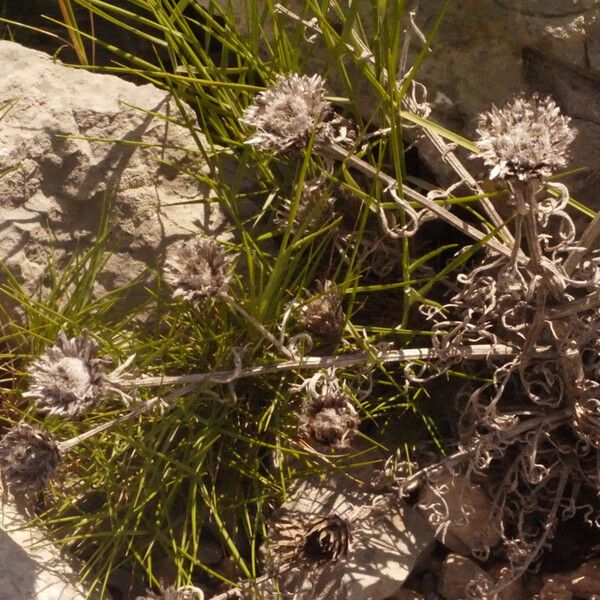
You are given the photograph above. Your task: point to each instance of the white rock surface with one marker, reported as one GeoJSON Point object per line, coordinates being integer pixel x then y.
{"type": "Point", "coordinates": [77, 140]}
{"type": "Point", "coordinates": [30, 567]}
{"type": "Point", "coordinates": [459, 512]}
{"type": "Point", "coordinates": [387, 540]}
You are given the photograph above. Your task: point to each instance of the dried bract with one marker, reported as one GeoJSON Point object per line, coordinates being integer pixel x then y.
{"type": "Point", "coordinates": [198, 269]}
{"type": "Point", "coordinates": [29, 457]}
{"type": "Point", "coordinates": [68, 378]}
{"type": "Point", "coordinates": [309, 539]}
{"type": "Point", "coordinates": [322, 314]}
{"type": "Point", "coordinates": [328, 416]}
{"type": "Point", "coordinates": [527, 138]}
{"type": "Point", "coordinates": [286, 114]}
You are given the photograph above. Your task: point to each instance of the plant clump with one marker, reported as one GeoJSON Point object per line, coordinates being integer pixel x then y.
{"type": "Point", "coordinates": [532, 435]}
{"type": "Point", "coordinates": [29, 458]}
{"type": "Point", "coordinates": [529, 429]}
{"type": "Point", "coordinates": [68, 378]}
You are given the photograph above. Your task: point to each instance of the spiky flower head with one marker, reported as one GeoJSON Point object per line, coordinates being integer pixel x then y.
{"type": "Point", "coordinates": [198, 269]}
{"type": "Point", "coordinates": [29, 457]}
{"type": "Point", "coordinates": [286, 114]}
{"type": "Point", "coordinates": [526, 139]}
{"type": "Point", "coordinates": [328, 416]}
{"type": "Point", "coordinates": [67, 379]}
{"type": "Point", "coordinates": [322, 314]}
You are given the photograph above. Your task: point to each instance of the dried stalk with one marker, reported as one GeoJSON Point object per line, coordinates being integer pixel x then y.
{"type": "Point", "coordinates": [140, 409]}
{"type": "Point", "coordinates": [473, 352]}
{"type": "Point", "coordinates": [338, 152]}
{"type": "Point", "coordinates": [587, 242]}
{"type": "Point", "coordinates": [458, 457]}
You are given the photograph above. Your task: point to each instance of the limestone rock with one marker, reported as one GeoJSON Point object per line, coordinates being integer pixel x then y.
{"type": "Point", "coordinates": [513, 591]}
{"type": "Point", "coordinates": [387, 539]}
{"type": "Point", "coordinates": [456, 574]}
{"type": "Point", "coordinates": [554, 591]}
{"type": "Point", "coordinates": [30, 567]}
{"type": "Point", "coordinates": [459, 512]}
{"type": "Point", "coordinates": [76, 141]}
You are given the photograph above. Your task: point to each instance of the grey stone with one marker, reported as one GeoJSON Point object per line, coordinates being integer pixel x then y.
{"type": "Point", "coordinates": [77, 141]}
{"type": "Point", "coordinates": [387, 540]}
{"type": "Point", "coordinates": [30, 567]}
{"type": "Point", "coordinates": [459, 512]}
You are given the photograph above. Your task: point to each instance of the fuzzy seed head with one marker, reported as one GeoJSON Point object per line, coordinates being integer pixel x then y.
{"type": "Point", "coordinates": [328, 416]}
{"type": "Point", "coordinates": [323, 314]}
{"type": "Point", "coordinates": [68, 378]}
{"type": "Point", "coordinates": [526, 139]}
{"type": "Point", "coordinates": [29, 457]}
{"type": "Point", "coordinates": [332, 426]}
{"type": "Point", "coordinates": [286, 114]}
{"type": "Point", "coordinates": [198, 269]}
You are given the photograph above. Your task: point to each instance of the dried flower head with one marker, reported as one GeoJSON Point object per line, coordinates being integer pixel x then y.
{"type": "Point", "coordinates": [312, 539]}
{"type": "Point", "coordinates": [187, 592]}
{"type": "Point", "coordinates": [286, 114]}
{"type": "Point", "coordinates": [198, 269]}
{"type": "Point", "coordinates": [333, 426]}
{"type": "Point", "coordinates": [328, 416]}
{"type": "Point", "coordinates": [527, 138]}
{"type": "Point", "coordinates": [322, 314]}
{"type": "Point", "coordinates": [68, 378]}
{"type": "Point", "coordinates": [29, 457]}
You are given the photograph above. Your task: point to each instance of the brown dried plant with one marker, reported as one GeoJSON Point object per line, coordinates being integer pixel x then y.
{"type": "Point", "coordinates": [532, 436]}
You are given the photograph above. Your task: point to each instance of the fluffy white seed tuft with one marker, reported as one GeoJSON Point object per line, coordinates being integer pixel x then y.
{"type": "Point", "coordinates": [286, 114]}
